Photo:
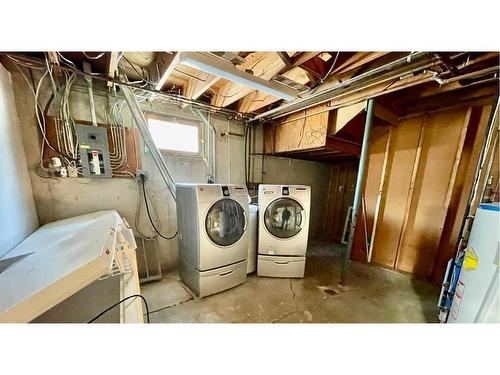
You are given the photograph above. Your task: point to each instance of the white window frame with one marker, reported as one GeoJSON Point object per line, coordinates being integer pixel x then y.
{"type": "Point", "coordinates": [180, 121]}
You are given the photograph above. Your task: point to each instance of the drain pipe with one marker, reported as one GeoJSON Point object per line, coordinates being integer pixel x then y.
{"type": "Point", "coordinates": [359, 187]}
{"type": "Point", "coordinates": [142, 125]}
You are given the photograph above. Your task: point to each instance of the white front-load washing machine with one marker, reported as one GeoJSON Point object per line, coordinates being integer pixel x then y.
{"type": "Point", "coordinates": [284, 212]}
{"type": "Point", "coordinates": [213, 240]}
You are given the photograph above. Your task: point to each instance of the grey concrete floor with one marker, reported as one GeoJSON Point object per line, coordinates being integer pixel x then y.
{"type": "Point", "coordinates": [371, 295]}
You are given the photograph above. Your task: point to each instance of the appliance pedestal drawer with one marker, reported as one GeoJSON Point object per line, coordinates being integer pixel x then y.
{"type": "Point", "coordinates": [205, 283]}
{"type": "Point", "coordinates": [281, 266]}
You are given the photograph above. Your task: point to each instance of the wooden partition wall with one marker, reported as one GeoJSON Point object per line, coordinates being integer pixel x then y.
{"type": "Point", "coordinates": [419, 177]}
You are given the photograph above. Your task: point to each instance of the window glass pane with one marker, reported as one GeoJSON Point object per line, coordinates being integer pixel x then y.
{"type": "Point", "coordinates": [172, 136]}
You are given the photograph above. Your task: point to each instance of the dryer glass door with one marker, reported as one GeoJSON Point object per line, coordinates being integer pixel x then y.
{"type": "Point", "coordinates": [284, 217]}
{"type": "Point", "coordinates": [225, 222]}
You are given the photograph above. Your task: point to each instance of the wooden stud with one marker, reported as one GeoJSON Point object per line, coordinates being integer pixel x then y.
{"type": "Point", "coordinates": [458, 155]}
{"type": "Point", "coordinates": [409, 195]}
{"type": "Point", "coordinates": [381, 192]}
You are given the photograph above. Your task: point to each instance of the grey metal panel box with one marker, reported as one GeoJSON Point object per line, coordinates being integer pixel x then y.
{"type": "Point", "coordinates": [94, 151]}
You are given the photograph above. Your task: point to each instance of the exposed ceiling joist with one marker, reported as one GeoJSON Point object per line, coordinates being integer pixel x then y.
{"type": "Point", "coordinates": [303, 57]}
{"type": "Point", "coordinates": [196, 87]}
{"type": "Point", "coordinates": [357, 60]}
{"type": "Point", "coordinates": [168, 61]}
{"type": "Point", "coordinates": [263, 65]}
{"type": "Point", "coordinates": [285, 58]}
{"type": "Point", "coordinates": [339, 144]}
{"type": "Point", "coordinates": [385, 114]}
{"type": "Point", "coordinates": [256, 100]}
{"type": "Point", "coordinates": [54, 59]}
{"type": "Point", "coordinates": [112, 66]}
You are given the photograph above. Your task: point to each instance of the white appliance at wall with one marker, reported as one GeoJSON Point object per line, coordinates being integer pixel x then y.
{"type": "Point", "coordinates": [477, 294]}
{"type": "Point", "coordinates": [284, 212]}
{"type": "Point", "coordinates": [253, 220]}
{"type": "Point", "coordinates": [213, 239]}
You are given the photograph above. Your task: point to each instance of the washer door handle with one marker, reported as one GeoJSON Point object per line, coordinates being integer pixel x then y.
{"type": "Point", "coordinates": [245, 216]}
{"type": "Point", "coordinates": [303, 221]}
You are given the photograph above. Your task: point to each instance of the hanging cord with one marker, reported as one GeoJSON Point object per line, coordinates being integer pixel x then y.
{"type": "Point", "coordinates": [149, 215]}
{"type": "Point", "coordinates": [120, 302]}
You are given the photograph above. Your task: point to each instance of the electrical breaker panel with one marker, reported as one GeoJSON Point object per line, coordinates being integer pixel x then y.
{"type": "Point", "coordinates": [94, 151]}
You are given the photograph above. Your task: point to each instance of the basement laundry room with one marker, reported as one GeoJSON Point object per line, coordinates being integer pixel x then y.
{"type": "Point", "coordinates": [249, 187]}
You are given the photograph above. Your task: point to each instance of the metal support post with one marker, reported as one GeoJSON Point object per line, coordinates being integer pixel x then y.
{"type": "Point", "coordinates": [359, 187]}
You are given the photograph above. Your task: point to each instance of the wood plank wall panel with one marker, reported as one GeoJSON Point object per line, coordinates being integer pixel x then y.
{"type": "Point", "coordinates": [428, 207]}
{"type": "Point", "coordinates": [341, 194]}
{"type": "Point", "coordinates": [268, 139]}
{"type": "Point", "coordinates": [392, 208]}
{"type": "Point", "coordinates": [306, 132]}
{"type": "Point", "coordinates": [458, 203]}
{"type": "Point", "coordinates": [377, 148]}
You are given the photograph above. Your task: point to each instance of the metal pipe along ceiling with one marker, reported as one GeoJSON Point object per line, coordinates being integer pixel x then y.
{"type": "Point", "coordinates": [409, 64]}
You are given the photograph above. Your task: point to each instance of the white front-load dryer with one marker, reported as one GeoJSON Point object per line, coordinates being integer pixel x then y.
{"type": "Point", "coordinates": [212, 222]}
{"type": "Point", "coordinates": [284, 214]}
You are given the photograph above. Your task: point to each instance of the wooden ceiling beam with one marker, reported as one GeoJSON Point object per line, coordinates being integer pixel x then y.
{"type": "Point", "coordinates": [112, 66]}
{"type": "Point", "coordinates": [54, 59]}
{"type": "Point", "coordinates": [385, 114]}
{"type": "Point", "coordinates": [285, 58]}
{"type": "Point", "coordinates": [317, 66]}
{"type": "Point", "coordinates": [346, 147]}
{"type": "Point", "coordinates": [302, 57]}
{"type": "Point", "coordinates": [256, 100]}
{"type": "Point", "coordinates": [263, 64]}
{"type": "Point", "coordinates": [168, 61]}
{"type": "Point", "coordinates": [196, 87]}
{"type": "Point", "coordinates": [357, 60]}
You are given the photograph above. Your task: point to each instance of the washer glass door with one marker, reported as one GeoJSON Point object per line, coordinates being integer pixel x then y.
{"type": "Point", "coordinates": [225, 222]}
{"type": "Point", "coordinates": [284, 217]}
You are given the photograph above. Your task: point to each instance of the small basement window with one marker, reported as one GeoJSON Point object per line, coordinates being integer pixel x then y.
{"type": "Point", "coordinates": [173, 136]}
